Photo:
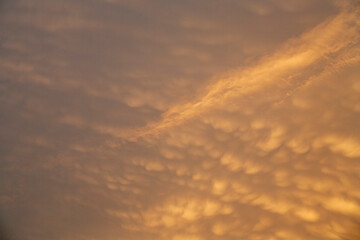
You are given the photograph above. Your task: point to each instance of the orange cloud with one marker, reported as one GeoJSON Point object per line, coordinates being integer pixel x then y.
{"type": "Point", "coordinates": [326, 48]}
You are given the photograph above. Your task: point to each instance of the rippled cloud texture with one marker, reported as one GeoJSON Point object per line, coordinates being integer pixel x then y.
{"type": "Point", "coordinates": [180, 120]}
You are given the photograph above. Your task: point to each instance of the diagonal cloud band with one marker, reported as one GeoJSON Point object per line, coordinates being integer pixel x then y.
{"type": "Point", "coordinates": [324, 49]}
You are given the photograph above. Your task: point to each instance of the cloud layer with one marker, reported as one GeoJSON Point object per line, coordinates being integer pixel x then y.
{"type": "Point", "coordinates": [180, 121]}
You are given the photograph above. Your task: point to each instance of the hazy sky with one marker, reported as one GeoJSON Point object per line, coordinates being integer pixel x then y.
{"type": "Point", "coordinates": [179, 120]}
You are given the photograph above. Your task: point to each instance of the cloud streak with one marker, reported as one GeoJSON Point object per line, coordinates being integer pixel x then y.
{"type": "Point", "coordinates": [327, 48]}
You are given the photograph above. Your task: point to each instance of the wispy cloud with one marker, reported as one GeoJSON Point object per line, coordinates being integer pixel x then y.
{"type": "Point", "coordinates": [326, 48]}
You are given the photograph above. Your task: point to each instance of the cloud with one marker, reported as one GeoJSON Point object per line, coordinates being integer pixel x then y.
{"type": "Point", "coordinates": [268, 150]}
{"type": "Point", "coordinates": [288, 69]}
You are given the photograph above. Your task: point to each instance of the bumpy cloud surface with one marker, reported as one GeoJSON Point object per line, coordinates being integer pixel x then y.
{"type": "Point", "coordinates": [180, 120]}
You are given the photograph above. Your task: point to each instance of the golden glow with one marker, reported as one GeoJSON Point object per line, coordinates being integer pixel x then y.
{"type": "Point", "coordinates": [144, 120]}
{"type": "Point", "coordinates": [285, 71]}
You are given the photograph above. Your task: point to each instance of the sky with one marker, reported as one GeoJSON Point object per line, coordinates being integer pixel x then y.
{"type": "Point", "coordinates": [180, 120]}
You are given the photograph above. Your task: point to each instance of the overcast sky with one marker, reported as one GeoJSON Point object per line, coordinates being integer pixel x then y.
{"type": "Point", "coordinates": [179, 120]}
